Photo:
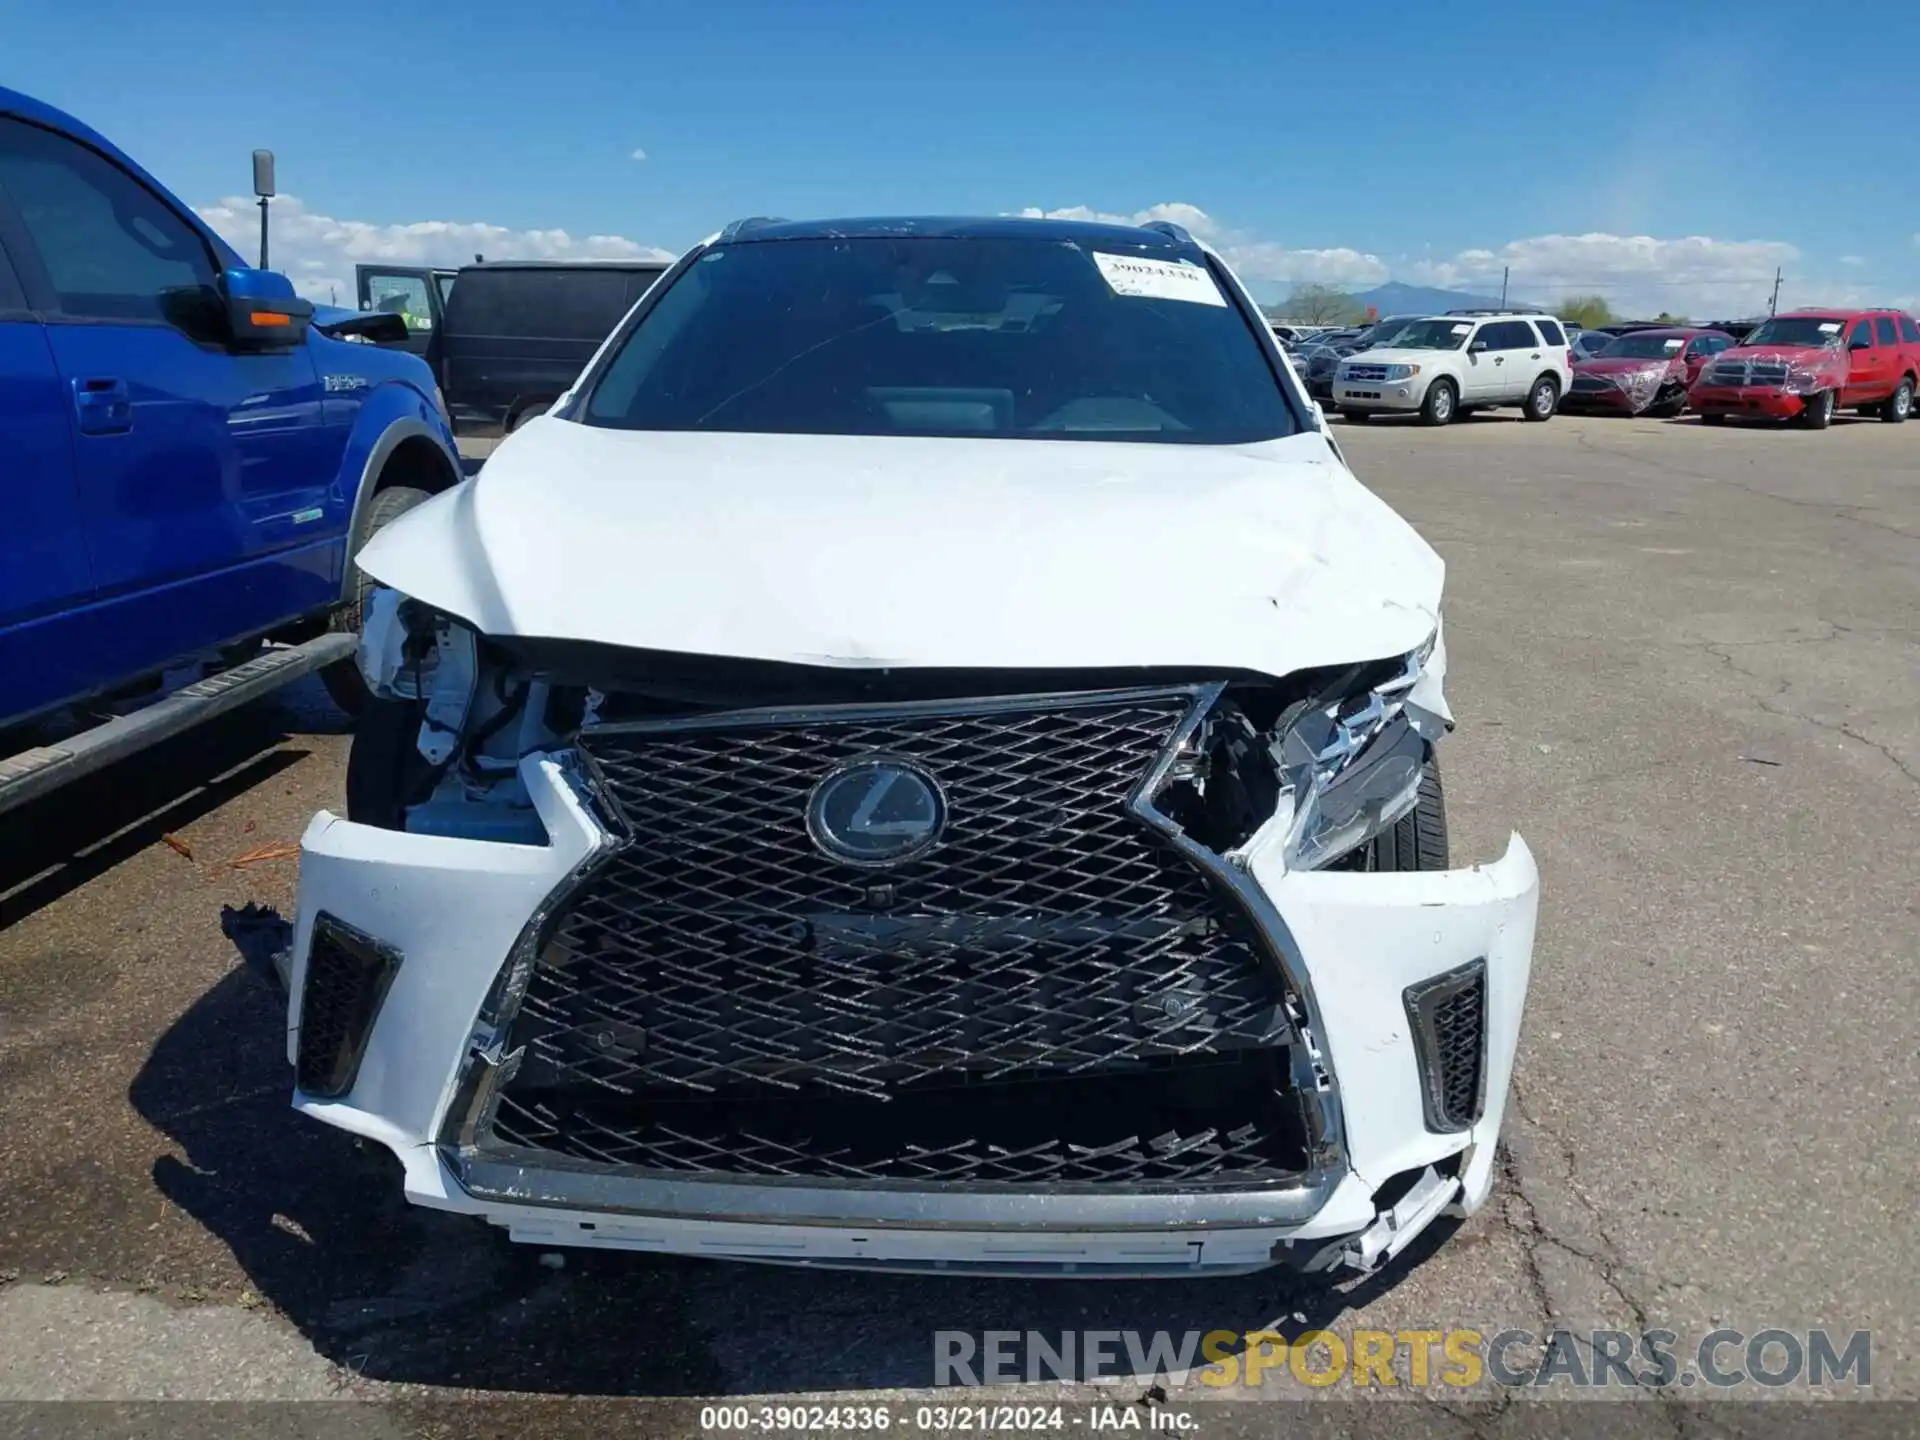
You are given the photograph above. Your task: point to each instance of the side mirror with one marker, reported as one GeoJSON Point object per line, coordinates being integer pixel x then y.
{"type": "Point", "coordinates": [1859, 345]}
{"type": "Point", "coordinates": [1476, 347]}
{"type": "Point", "coordinates": [263, 313]}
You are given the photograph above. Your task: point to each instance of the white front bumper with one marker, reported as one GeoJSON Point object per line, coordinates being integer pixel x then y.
{"type": "Point", "coordinates": [1381, 394]}
{"type": "Point", "coordinates": [454, 909]}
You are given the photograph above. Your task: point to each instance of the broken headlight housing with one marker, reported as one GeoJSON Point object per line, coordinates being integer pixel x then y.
{"type": "Point", "coordinates": [1327, 770]}
{"type": "Point", "coordinates": [1349, 762]}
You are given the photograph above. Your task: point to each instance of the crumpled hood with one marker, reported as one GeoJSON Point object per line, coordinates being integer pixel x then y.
{"type": "Point", "coordinates": [1626, 365]}
{"type": "Point", "coordinates": [914, 552]}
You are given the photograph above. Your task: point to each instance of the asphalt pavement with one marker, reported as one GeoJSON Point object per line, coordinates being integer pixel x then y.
{"type": "Point", "coordinates": [1685, 665]}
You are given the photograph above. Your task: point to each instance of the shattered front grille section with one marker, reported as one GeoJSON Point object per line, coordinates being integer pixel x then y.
{"type": "Point", "coordinates": [719, 964]}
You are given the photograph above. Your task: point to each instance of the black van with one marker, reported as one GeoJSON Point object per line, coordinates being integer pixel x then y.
{"type": "Point", "coordinates": [517, 332]}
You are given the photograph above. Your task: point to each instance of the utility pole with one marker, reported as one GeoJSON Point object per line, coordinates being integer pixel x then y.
{"type": "Point", "coordinates": [1773, 305]}
{"type": "Point", "coordinates": [1505, 270]}
{"type": "Point", "coordinates": [263, 187]}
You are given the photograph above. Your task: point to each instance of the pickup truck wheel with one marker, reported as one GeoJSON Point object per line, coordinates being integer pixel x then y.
{"type": "Point", "coordinates": [1418, 840]}
{"type": "Point", "coordinates": [342, 679]}
{"type": "Point", "coordinates": [1899, 404]}
{"type": "Point", "coordinates": [1542, 400]}
{"type": "Point", "coordinates": [1438, 406]}
{"type": "Point", "coordinates": [1818, 414]}
{"type": "Point", "coordinates": [385, 770]}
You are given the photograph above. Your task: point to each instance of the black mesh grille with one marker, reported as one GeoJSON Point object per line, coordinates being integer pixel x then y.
{"type": "Point", "coordinates": [347, 978]}
{"type": "Point", "coordinates": [1449, 1027]}
{"type": "Point", "coordinates": [720, 960]}
{"type": "Point", "coordinates": [1208, 1125]}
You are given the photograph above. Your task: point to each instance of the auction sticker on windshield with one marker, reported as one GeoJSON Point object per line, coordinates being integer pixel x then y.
{"type": "Point", "coordinates": [1158, 279]}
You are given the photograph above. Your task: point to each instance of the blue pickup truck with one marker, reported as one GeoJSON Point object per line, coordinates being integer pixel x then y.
{"type": "Point", "coordinates": [189, 457]}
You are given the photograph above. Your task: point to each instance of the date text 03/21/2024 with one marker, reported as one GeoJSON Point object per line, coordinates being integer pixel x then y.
{"type": "Point", "coordinates": [939, 1419]}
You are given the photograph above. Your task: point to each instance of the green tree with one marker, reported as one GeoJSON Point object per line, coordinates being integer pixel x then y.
{"type": "Point", "coordinates": [1667, 317]}
{"type": "Point", "coordinates": [1322, 305]}
{"type": "Point", "coordinates": [1586, 311]}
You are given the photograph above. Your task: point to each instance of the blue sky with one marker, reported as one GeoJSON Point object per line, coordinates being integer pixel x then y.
{"type": "Point", "coordinates": [1659, 152]}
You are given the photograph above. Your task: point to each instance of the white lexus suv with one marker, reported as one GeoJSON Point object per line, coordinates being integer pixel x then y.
{"type": "Point", "coordinates": [1453, 364]}
{"type": "Point", "coordinates": [923, 760]}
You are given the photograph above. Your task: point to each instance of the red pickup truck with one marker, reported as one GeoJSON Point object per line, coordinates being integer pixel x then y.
{"type": "Point", "coordinates": [1811, 363]}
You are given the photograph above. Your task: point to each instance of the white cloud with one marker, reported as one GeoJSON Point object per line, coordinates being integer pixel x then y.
{"type": "Point", "coordinates": [638, 154]}
{"type": "Point", "coordinates": [1252, 258]}
{"type": "Point", "coordinates": [319, 252]}
{"type": "Point", "coordinates": [1692, 274]}
{"type": "Point", "coordinates": [1853, 259]}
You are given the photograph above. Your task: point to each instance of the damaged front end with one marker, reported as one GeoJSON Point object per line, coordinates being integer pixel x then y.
{"type": "Point", "coordinates": [1599, 387]}
{"type": "Point", "coordinates": [990, 971]}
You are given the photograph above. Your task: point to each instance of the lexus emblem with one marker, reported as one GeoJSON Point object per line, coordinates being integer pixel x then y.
{"type": "Point", "coordinates": [876, 812]}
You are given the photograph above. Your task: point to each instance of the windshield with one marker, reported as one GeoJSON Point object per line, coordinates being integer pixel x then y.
{"type": "Point", "coordinates": [1387, 332]}
{"type": "Point", "coordinates": [1433, 335]}
{"type": "Point", "coordinates": [945, 336]}
{"type": "Point", "coordinates": [1797, 330]}
{"type": "Point", "coordinates": [1644, 347]}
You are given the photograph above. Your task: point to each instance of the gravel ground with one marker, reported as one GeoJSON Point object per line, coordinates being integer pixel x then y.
{"type": "Point", "coordinates": [1685, 665]}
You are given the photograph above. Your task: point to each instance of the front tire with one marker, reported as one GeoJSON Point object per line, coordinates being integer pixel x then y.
{"type": "Point", "coordinates": [1669, 406]}
{"type": "Point", "coordinates": [531, 412]}
{"type": "Point", "coordinates": [1542, 400]}
{"type": "Point", "coordinates": [1439, 404]}
{"type": "Point", "coordinates": [1819, 412]}
{"type": "Point", "coordinates": [1899, 404]}
{"type": "Point", "coordinates": [386, 773]}
{"type": "Point", "coordinates": [342, 679]}
{"type": "Point", "coordinates": [1418, 840]}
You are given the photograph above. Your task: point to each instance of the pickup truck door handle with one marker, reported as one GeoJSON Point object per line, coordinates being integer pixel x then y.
{"type": "Point", "coordinates": [104, 405]}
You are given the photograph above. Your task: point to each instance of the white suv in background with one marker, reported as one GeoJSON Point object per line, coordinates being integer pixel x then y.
{"type": "Point", "coordinates": [1454, 363]}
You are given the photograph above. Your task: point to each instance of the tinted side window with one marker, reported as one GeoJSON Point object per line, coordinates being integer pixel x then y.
{"type": "Point", "coordinates": [557, 304]}
{"type": "Point", "coordinates": [1508, 335]}
{"type": "Point", "coordinates": [111, 248]}
{"type": "Point", "coordinates": [1862, 334]}
{"type": "Point", "coordinates": [1883, 330]}
{"type": "Point", "coordinates": [1909, 331]}
{"type": "Point", "coordinates": [1551, 333]}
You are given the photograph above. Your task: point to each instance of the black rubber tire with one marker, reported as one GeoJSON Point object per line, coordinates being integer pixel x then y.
{"type": "Point", "coordinates": [342, 679]}
{"type": "Point", "coordinates": [1443, 412]}
{"type": "Point", "coordinates": [1542, 400]}
{"type": "Point", "coordinates": [1819, 414]}
{"type": "Point", "coordinates": [385, 770]}
{"type": "Point", "coordinates": [1712, 417]}
{"type": "Point", "coordinates": [526, 413]}
{"type": "Point", "coordinates": [1418, 840]}
{"type": "Point", "coordinates": [1669, 406]}
{"type": "Point", "coordinates": [1899, 405]}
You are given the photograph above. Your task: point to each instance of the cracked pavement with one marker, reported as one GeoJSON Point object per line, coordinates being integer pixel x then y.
{"type": "Point", "coordinates": [1686, 665]}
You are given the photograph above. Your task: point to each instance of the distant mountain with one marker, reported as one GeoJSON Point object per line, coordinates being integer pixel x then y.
{"type": "Point", "coordinates": [1393, 298]}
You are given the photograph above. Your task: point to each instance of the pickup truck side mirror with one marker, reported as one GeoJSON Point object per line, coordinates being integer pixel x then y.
{"type": "Point", "coordinates": [263, 313]}
{"type": "Point", "coordinates": [1476, 347]}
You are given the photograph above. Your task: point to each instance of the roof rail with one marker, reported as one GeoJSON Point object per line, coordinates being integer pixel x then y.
{"type": "Point", "coordinates": [735, 228]}
{"type": "Point", "coordinates": [1491, 311]}
{"type": "Point", "coordinates": [1176, 233]}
